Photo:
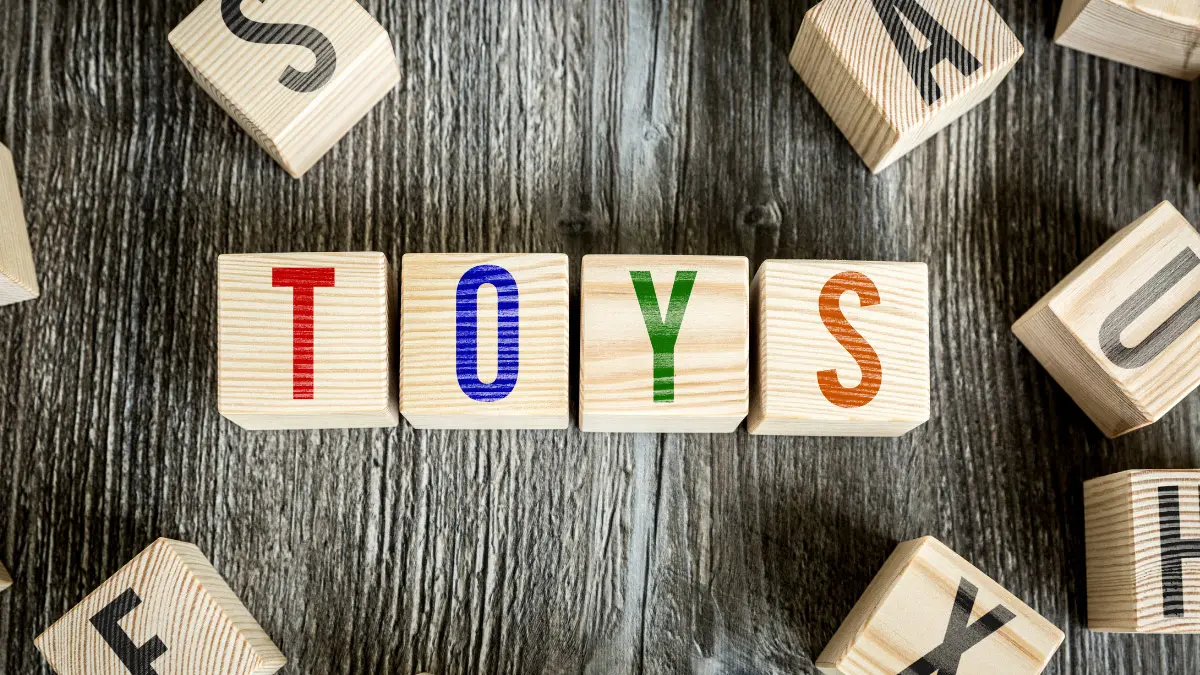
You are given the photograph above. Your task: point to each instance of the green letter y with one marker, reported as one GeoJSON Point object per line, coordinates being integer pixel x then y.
{"type": "Point", "coordinates": [663, 332]}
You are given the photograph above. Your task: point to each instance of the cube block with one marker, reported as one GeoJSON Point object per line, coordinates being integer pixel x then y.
{"type": "Point", "coordinates": [1142, 532]}
{"type": "Point", "coordinates": [1121, 332]}
{"type": "Point", "coordinates": [485, 341]}
{"type": "Point", "coordinates": [305, 340]}
{"type": "Point", "coordinates": [842, 348]}
{"type": "Point", "coordinates": [166, 612]}
{"type": "Point", "coordinates": [18, 279]}
{"type": "Point", "coordinates": [5, 578]}
{"type": "Point", "coordinates": [892, 73]}
{"type": "Point", "coordinates": [295, 75]}
{"type": "Point", "coordinates": [664, 344]}
{"type": "Point", "coordinates": [1162, 36]}
{"type": "Point", "coordinates": [929, 610]}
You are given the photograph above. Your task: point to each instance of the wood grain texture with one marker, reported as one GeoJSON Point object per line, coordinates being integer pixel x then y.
{"type": "Point", "coordinates": [674, 358]}
{"type": "Point", "coordinates": [5, 578]}
{"type": "Point", "coordinates": [1067, 330]}
{"type": "Point", "coordinates": [908, 610]}
{"type": "Point", "coordinates": [343, 377]}
{"type": "Point", "coordinates": [18, 278]}
{"type": "Point", "coordinates": [431, 392]}
{"type": "Point", "coordinates": [875, 339]}
{"type": "Point", "coordinates": [295, 123]}
{"type": "Point", "coordinates": [1125, 519]}
{"type": "Point", "coordinates": [550, 126]}
{"type": "Point", "coordinates": [1161, 36]}
{"type": "Point", "coordinates": [855, 67]}
{"type": "Point", "coordinates": [184, 603]}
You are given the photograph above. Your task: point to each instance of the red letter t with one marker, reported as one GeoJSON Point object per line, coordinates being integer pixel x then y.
{"type": "Point", "coordinates": [302, 280]}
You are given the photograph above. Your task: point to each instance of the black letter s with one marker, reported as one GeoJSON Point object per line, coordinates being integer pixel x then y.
{"type": "Point", "coordinates": [285, 34]}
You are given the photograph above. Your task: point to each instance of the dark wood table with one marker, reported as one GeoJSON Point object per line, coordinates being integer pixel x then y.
{"type": "Point", "coordinates": [577, 126]}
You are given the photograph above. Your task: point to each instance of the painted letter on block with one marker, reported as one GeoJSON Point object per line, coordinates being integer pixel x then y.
{"type": "Point", "coordinates": [508, 329]}
{"type": "Point", "coordinates": [664, 331]}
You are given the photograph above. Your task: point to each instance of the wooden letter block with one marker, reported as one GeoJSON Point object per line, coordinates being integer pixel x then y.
{"type": "Point", "coordinates": [929, 610]}
{"type": "Point", "coordinates": [167, 612]}
{"type": "Point", "coordinates": [304, 341]}
{"type": "Point", "coordinates": [1157, 35]}
{"type": "Point", "coordinates": [485, 341]}
{"type": "Point", "coordinates": [892, 73]}
{"type": "Point", "coordinates": [18, 280]}
{"type": "Point", "coordinates": [843, 348]}
{"type": "Point", "coordinates": [1122, 331]}
{"type": "Point", "coordinates": [665, 344]}
{"type": "Point", "coordinates": [296, 75]}
{"type": "Point", "coordinates": [5, 578]}
{"type": "Point", "coordinates": [1143, 552]}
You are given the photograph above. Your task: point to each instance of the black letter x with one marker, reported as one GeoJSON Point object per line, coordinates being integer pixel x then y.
{"type": "Point", "coordinates": [959, 636]}
{"type": "Point", "coordinates": [136, 659]}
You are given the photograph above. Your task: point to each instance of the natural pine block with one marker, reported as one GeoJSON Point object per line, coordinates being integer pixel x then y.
{"type": "Point", "coordinates": [304, 340]}
{"type": "Point", "coordinates": [665, 344]}
{"type": "Point", "coordinates": [892, 73]}
{"type": "Point", "coordinates": [485, 341]}
{"type": "Point", "coordinates": [18, 279]}
{"type": "Point", "coordinates": [167, 612]}
{"type": "Point", "coordinates": [295, 75]}
{"type": "Point", "coordinates": [843, 348]}
{"type": "Point", "coordinates": [1157, 35]}
{"type": "Point", "coordinates": [929, 610]}
{"type": "Point", "coordinates": [1142, 532]}
{"type": "Point", "coordinates": [1122, 331]}
{"type": "Point", "coordinates": [5, 578]}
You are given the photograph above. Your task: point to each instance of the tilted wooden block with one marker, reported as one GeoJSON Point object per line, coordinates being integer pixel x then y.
{"type": "Point", "coordinates": [929, 610]}
{"type": "Point", "coordinates": [665, 344]}
{"type": "Point", "coordinates": [304, 340]}
{"type": "Point", "coordinates": [1122, 331]}
{"type": "Point", "coordinates": [892, 73]}
{"type": "Point", "coordinates": [485, 341]}
{"type": "Point", "coordinates": [1162, 36]}
{"type": "Point", "coordinates": [167, 612]}
{"type": "Point", "coordinates": [18, 279]}
{"type": "Point", "coordinates": [1142, 532]}
{"type": "Point", "coordinates": [295, 75]}
{"type": "Point", "coordinates": [5, 578]}
{"type": "Point", "coordinates": [830, 365]}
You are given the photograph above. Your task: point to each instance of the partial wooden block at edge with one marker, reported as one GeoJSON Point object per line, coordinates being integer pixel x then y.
{"type": "Point", "coordinates": [1162, 36]}
{"type": "Point", "coordinates": [304, 340]}
{"type": "Point", "coordinates": [5, 578]}
{"type": "Point", "coordinates": [930, 610]}
{"type": "Point", "coordinates": [888, 89]}
{"type": "Point", "coordinates": [18, 278]}
{"type": "Point", "coordinates": [485, 341]}
{"type": "Point", "coordinates": [842, 348]}
{"type": "Point", "coordinates": [305, 74]}
{"type": "Point", "coordinates": [167, 610]}
{"type": "Point", "coordinates": [1142, 531]}
{"type": "Point", "coordinates": [664, 345]}
{"type": "Point", "coordinates": [1142, 288]}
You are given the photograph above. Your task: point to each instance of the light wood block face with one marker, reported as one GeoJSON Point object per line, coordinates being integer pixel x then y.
{"type": "Point", "coordinates": [842, 348]}
{"type": "Point", "coordinates": [888, 85]}
{"type": "Point", "coordinates": [166, 612]}
{"type": "Point", "coordinates": [485, 341]}
{"type": "Point", "coordinates": [18, 280]}
{"type": "Point", "coordinates": [1142, 530]}
{"type": "Point", "coordinates": [305, 341]}
{"type": "Point", "coordinates": [665, 344]}
{"type": "Point", "coordinates": [295, 75]}
{"type": "Point", "coordinates": [1122, 331]}
{"type": "Point", "coordinates": [1162, 36]}
{"type": "Point", "coordinates": [5, 578]}
{"type": "Point", "coordinates": [930, 610]}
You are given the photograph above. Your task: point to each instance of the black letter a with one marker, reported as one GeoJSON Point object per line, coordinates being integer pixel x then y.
{"type": "Point", "coordinates": [959, 636]}
{"type": "Point", "coordinates": [136, 659]}
{"type": "Point", "coordinates": [942, 45]}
